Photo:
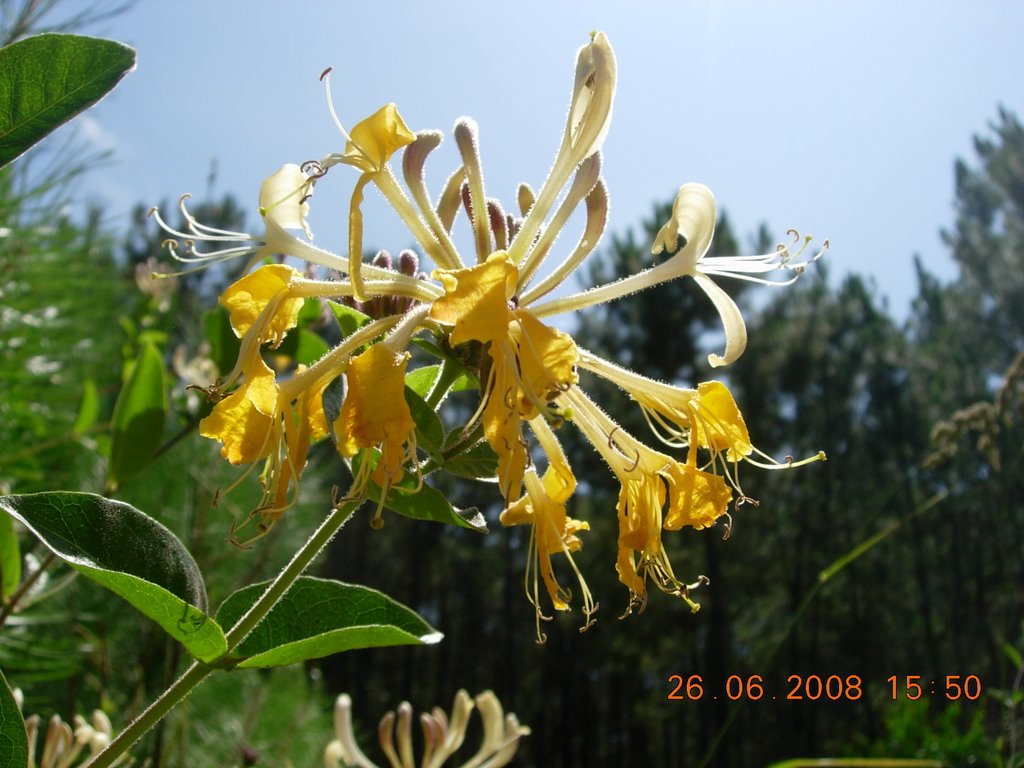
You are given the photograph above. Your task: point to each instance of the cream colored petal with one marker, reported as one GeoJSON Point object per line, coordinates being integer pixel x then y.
{"type": "Point", "coordinates": [732, 321]}
{"type": "Point", "coordinates": [590, 114]}
{"type": "Point", "coordinates": [351, 753]}
{"type": "Point", "coordinates": [282, 199]}
{"type": "Point", "coordinates": [693, 217]}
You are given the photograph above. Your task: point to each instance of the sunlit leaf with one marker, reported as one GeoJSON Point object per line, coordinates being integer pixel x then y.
{"type": "Point", "coordinates": [429, 430]}
{"type": "Point", "coordinates": [349, 320]}
{"type": "Point", "coordinates": [88, 409]}
{"type": "Point", "coordinates": [421, 380]}
{"type": "Point", "coordinates": [48, 79]}
{"type": "Point", "coordinates": [139, 414]}
{"type": "Point", "coordinates": [425, 503]}
{"type": "Point", "coordinates": [129, 553]}
{"type": "Point", "coordinates": [319, 617]}
{"type": "Point", "coordinates": [13, 741]}
{"type": "Point", "coordinates": [10, 559]}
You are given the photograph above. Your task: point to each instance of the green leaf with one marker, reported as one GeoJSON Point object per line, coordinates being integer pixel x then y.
{"type": "Point", "coordinates": [10, 559]}
{"type": "Point", "coordinates": [349, 320]}
{"type": "Point", "coordinates": [426, 503]}
{"type": "Point", "coordinates": [303, 346]}
{"type": "Point", "coordinates": [224, 344]}
{"type": "Point", "coordinates": [138, 422]}
{"type": "Point", "coordinates": [129, 553]}
{"type": "Point", "coordinates": [13, 740]}
{"type": "Point", "coordinates": [319, 617]}
{"type": "Point", "coordinates": [429, 429]}
{"type": "Point", "coordinates": [1013, 655]}
{"type": "Point", "coordinates": [478, 462]}
{"type": "Point", "coordinates": [88, 409]}
{"type": "Point", "coordinates": [421, 380]}
{"type": "Point", "coordinates": [48, 79]}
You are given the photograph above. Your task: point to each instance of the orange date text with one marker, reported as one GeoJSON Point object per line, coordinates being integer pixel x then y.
{"type": "Point", "coordinates": [754, 688]}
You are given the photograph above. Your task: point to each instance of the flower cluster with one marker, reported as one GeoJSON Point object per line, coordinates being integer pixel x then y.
{"type": "Point", "coordinates": [65, 745]}
{"type": "Point", "coordinates": [442, 736]}
{"type": "Point", "coordinates": [494, 308]}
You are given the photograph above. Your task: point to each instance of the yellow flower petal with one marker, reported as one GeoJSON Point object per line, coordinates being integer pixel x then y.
{"type": "Point", "coordinates": [244, 420]}
{"type": "Point", "coordinates": [553, 532]}
{"type": "Point", "coordinates": [697, 498]}
{"type": "Point", "coordinates": [304, 424]}
{"type": "Point", "coordinates": [375, 413]}
{"type": "Point", "coordinates": [718, 422]}
{"type": "Point", "coordinates": [246, 299]}
{"type": "Point", "coordinates": [546, 361]}
{"type": "Point", "coordinates": [372, 141]}
{"type": "Point", "coordinates": [476, 300]}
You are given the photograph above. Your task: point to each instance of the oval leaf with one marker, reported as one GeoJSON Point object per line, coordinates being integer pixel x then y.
{"type": "Point", "coordinates": [429, 429]}
{"type": "Point", "coordinates": [138, 422]}
{"type": "Point", "coordinates": [478, 462]}
{"type": "Point", "coordinates": [13, 741]}
{"type": "Point", "coordinates": [319, 617]}
{"type": "Point", "coordinates": [419, 503]}
{"type": "Point", "coordinates": [129, 553]}
{"type": "Point", "coordinates": [48, 79]}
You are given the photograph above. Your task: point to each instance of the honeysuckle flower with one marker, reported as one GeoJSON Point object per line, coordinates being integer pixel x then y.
{"type": "Point", "coordinates": [282, 205]}
{"type": "Point", "coordinates": [247, 298]}
{"type": "Point", "coordinates": [657, 492]}
{"type": "Point", "coordinates": [529, 361]}
{"type": "Point", "coordinates": [276, 422]}
{"type": "Point", "coordinates": [552, 530]}
{"type": "Point", "coordinates": [243, 420]}
{"type": "Point", "coordinates": [64, 744]}
{"type": "Point", "coordinates": [262, 420]}
{"type": "Point", "coordinates": [368, 148]}
{"type": "Point", "coordinates": [442, 737]}
{"type": "Point", "coordinates": [706, 417]}
{"type": "Point", "coordinates": [693, 219]}
{"type": "Point", "coordinates": [491, 310]}
{"type": "Point", "coordinates": [376, 415]}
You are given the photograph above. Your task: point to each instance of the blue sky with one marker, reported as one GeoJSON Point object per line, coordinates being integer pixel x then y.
{"type": "Point", "coordinates": [841, 119]}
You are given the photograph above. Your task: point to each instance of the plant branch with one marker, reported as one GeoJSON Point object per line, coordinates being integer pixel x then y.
{"type": "Point", "coordinates": [198, 672]}
{"type": "Point", "coordinates": [24, 587]}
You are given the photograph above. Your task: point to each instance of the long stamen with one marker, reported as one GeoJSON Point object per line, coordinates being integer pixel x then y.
{"type": "Point", "coordinates": [221, 235]}
{"type": "Point", "coordinates": [325, 78]}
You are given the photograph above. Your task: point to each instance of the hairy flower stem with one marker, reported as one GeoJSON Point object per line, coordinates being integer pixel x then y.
{"type": "Point", "coordinates": [198, 671]}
